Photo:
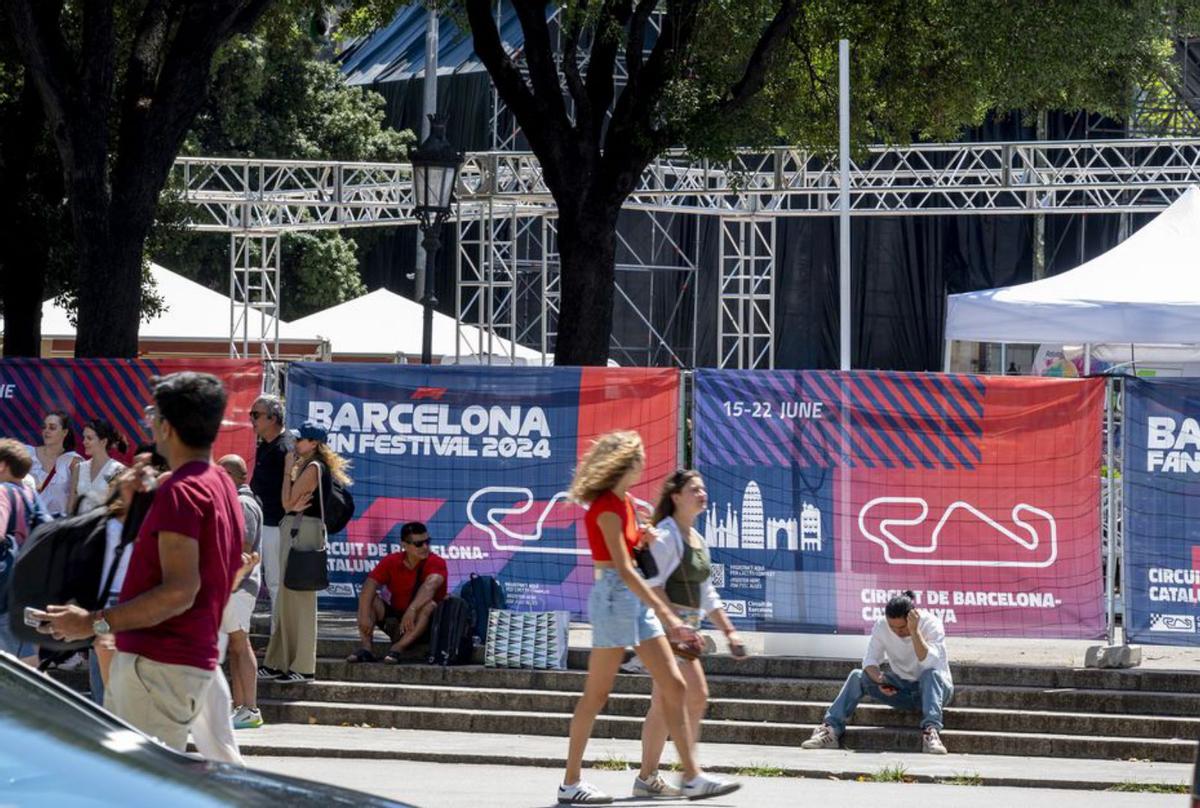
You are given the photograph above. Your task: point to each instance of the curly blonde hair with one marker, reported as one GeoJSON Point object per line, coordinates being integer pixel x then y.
{"type": "Point", "coordinates": [610, 458]}
{"type": "Point", "coordinates": [333, 461]}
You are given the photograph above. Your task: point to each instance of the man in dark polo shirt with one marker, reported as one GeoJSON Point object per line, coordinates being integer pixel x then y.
{"type": "Point", "coordinates": [274, 444]}
{"type": "Point", "coordinates": [181, 570]}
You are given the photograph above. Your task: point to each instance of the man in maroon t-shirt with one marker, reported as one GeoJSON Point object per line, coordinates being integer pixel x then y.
{"type": "Point", "coordinates": [181, 571]}
{"type": "Point", "coordinates": [416, 579]}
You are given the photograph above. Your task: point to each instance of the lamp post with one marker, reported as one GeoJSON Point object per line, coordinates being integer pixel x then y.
{"type": "Point", "coordinates": [435, 173]}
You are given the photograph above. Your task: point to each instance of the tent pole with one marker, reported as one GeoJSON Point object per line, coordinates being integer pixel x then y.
{"type": "Point", "coordinates": [1087, 359]}
{"type": "Point", "coordinates": [946, 352]}
{"type": "Point", "coordinates": [1003, 358]}
{"type": "Point", "coordinates": [844, 204]}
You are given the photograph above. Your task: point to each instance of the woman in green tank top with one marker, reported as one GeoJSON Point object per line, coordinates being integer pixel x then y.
{"type": "Point", "coordinates": [684, 568]}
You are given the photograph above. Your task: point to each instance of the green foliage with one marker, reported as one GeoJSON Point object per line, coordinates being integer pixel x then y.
{"type": "Point", "coordinates": [272, 96]}
{"type": "Point", "coordinates": [761, 770]}
{"type": "Point", "coordinates": [1131, 786]}
{"type": "Point", "coordinates": [326, 273]}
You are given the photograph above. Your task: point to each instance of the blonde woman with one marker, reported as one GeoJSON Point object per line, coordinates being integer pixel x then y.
{"type": "Point", "coordinates": [684, 568]}
{"type": "Point", "coordinates": [292, 651]}
{"type": "Point", "coordinates": [625, 611]}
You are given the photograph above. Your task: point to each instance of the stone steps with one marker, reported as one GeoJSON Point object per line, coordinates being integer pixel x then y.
{"type": "Point", "coordinates": [864, 738]}
{"type": "Point", "coordinates": [807, 713]}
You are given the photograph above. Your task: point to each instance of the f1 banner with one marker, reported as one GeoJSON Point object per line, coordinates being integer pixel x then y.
{"type": "Point", "coordinates": [829, 492]}
{"type": "Point", "coordinates": [118, 390]}
{"type": "Point", "coordinates": [1161, 479]}
{"type": "Point", "coordinates": [484, 456]}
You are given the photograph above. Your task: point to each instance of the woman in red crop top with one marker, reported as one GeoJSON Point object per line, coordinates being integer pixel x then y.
{"type": "Point", "coordinates": [623, 609]}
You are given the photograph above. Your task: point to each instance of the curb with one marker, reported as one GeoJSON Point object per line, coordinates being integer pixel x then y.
{"type": "Point", "coordinates": [251, 750]}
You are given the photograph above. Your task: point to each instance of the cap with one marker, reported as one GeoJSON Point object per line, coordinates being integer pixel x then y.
{"type": "Point", "coordinates": [311, 430]}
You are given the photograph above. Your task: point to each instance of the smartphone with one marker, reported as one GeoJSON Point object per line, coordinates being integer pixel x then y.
{"type": "Point", "coordinates": [32, 618]}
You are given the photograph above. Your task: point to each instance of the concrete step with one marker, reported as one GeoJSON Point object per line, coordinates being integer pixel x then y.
{"type": "Point", "coordinates": [1133, 680]}
{"type": "Point", "coordinates": [724, 709]}
{"type": "Point", "coordinates": [863, 738]}
{"type": "Point", "coordinates": [771, 688]}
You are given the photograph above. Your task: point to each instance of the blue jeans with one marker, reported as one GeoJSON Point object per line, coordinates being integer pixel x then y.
{"type": "Point", "coordinates": [618, 617]}
{"type": "Point", "coordinates": [95, 680]}
{"type": "Point", "coordinates": [930, 694]}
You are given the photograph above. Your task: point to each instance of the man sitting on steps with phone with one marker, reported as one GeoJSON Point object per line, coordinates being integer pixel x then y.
{"type": "Point", "coordinates": [914, 644]}
{"type": "Point", "coordinates": [416, 579]}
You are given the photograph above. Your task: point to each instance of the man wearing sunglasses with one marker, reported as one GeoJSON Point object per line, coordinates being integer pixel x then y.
{"type": "Point", "coordinates": [416, 580]}
{"type": "Point", "coordinates": [274, 445]}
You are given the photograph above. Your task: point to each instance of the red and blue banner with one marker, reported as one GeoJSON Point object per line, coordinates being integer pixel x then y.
{"type": "Point", "coordinates": [118, 390]}
{"type": "Point", "coordinates": [484, 457]}
{"type": "Point", "coordinates": [1160, 581]}
{"type": "Point", "coordinates": [830, 492]}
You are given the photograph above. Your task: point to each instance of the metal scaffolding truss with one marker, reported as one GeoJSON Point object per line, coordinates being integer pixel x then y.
{"type": "Point", "coordinates": [507, 233]}
{"type": "Point", "coordinates": [746, 322]}
{"type": "Point", "coordinates": [254, 296]}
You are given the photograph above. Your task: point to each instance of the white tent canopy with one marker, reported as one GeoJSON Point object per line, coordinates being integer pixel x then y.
{"type": "Point", "coordinates": [383, 323]}
{"type": "Point", "coordinates": [190, 312]}
{"type": "Point", "coordinates": [1144, 290]}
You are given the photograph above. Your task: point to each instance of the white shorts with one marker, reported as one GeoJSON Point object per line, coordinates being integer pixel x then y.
{"type": "Point", "coordinates": [238, 611]}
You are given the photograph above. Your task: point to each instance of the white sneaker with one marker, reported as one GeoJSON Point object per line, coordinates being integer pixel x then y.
{"type": "Point", "coordinates": [704, 786]}
{"type": "Point", "coordinates": [654, 786]}
{"type": "Point", "coordinates": [582, 794]}
{"type": "Point", "coordinates": [634, 665]}
{"type": "Point", "coordinates": [931, 742]}
{"type": "Point", "coordinates": [823, 737]}
{"type": "Point", "coordinates": [73, 663]}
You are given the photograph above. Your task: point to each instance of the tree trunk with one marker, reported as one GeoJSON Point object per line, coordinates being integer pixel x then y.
{"type": "Point", "coordinates": [110, 282]}
{"type": "Point", "coordinates": [587, 253]}
{"type": "Point", "coordinates": [24, 270]}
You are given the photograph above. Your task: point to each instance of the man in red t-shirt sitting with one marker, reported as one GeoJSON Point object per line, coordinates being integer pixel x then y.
{"type": "Point", "coordinates": [416, 579]}
{"type": "Point", "coordinates": [182, 567]}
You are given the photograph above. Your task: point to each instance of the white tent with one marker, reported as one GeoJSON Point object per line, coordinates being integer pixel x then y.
{"type": "Point", "coordinates": [385, 324]}
{"type": "Point", "coordinates": [1146, 290]}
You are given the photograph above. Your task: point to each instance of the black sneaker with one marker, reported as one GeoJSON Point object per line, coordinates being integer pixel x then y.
{"type": "Point", "coordinates": [293, 678]}
{"type": "Point", "coordinates": [268, 674]}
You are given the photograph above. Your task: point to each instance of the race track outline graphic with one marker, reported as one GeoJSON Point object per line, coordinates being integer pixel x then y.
{"type": "Point", "coordinates": [1030, 542]}
{"type": "Point", "coordinates": [493, 525]}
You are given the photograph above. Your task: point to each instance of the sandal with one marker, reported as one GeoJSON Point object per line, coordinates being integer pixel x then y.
{"type": "Point", "coordinates": [392, 658]}
{"type": "Point", "coordinates": [361, 655]}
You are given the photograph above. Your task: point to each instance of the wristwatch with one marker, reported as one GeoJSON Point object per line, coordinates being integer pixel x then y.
{"type": "Point", "coordinates": [100, 625]}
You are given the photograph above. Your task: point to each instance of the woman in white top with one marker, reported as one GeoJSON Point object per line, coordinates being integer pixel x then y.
{"type": "Point", "coordinates": [55, 463]}
{"type": "Point", "coordinates": [682, 580]}
{"type": "Point", "coordinates": [96, 475]}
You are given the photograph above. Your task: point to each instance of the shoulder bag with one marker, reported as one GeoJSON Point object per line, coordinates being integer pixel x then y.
{"type": "Point", "coordinates": [308, 570]}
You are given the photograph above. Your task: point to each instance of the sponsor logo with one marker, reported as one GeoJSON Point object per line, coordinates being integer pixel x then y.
{"type": "Point", "coordinates": [434, 393]}
{"type": "Point", "coordinates": [735, 608]}
{"type": "Point", "coordinates": [1175, 623]}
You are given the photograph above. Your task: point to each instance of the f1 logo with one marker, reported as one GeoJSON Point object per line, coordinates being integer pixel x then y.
{"type": "Point", "coordinates": [434, 393]}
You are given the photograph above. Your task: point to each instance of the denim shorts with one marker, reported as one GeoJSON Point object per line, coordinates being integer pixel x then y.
{"type": "Point", "coordinates": [618, 618]}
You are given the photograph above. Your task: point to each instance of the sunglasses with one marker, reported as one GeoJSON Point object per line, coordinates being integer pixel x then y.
{"type": "Point", "coordinates": [149, 416]}
{"type": "Point", "coordinates": [419, 544]}
{"type": "Point", "coordinates": [255, 415]}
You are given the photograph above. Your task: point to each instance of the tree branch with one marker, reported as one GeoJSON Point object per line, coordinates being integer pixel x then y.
{"type": "Point", "coordinates": [601, 65]}
{"type": "Point", "coordinates": [539, 56]}
{"type": "Point", "coordinates": [48, 65]}
{"type": "Point", "coordinates": [637, 37]}
{"type": "Point", "coordinates": [510, 84]}
{"type": "Point", "coordinates": [754, 77]}
{"type": "Point", "coordinates": [570, 66]}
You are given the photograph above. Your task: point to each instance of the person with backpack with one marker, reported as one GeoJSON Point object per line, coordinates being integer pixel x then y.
{"type": "Point", "coordinates": [416, 578]}
{"type": "Point", "coordinates": [184, 561]}
{"type": "Point", "coordinates": [311, 473]}
{"type": "Point", "coordinates": [20, 512]}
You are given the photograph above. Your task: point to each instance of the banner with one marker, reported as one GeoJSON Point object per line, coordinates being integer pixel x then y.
{"type": "Point", "coordinates": [830, 492]}
{"type": "Point", "coordinates": [484, 457]}
{"type": "Point", "coordinates": [118, 390]}
{"type": "Point", "coordinates": [1160, 580]}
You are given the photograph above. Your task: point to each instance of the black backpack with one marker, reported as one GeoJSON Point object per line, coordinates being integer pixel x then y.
{"type": "Point", "coordinates": [484, 593]}
{"type": "Point", "coordinates": [338, 505]}
{"type": "Point", "coordinates": [8, 540]}
{"type": "Point", "coordinates": [450, 633]}
{"type": "Point", "coordinates": [63, 562]}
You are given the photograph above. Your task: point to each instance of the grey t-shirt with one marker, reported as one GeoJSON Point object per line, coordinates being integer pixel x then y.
{"type": "Point", "coordinates": [252, 511]}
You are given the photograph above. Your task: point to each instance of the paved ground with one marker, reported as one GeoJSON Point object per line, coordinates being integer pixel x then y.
{"type": "Point", "coordinates": [405, 745]}
{"type": "Point", "coordinates": [440, 785]}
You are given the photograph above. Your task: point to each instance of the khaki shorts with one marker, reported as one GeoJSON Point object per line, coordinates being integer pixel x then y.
{"type": "Point", "coordinates": [161, 700]}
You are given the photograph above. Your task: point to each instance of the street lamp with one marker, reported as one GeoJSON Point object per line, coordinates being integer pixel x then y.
{"type": "Point", "coordinates": [435, 173]}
